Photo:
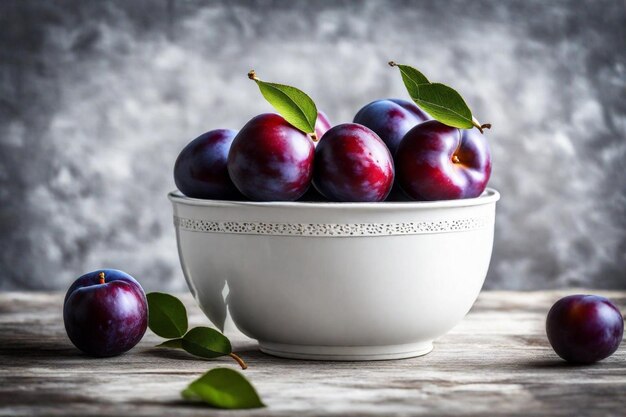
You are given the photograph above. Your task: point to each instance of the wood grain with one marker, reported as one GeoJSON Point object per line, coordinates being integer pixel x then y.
{"type": "Point", "coordinates": [497, 362]}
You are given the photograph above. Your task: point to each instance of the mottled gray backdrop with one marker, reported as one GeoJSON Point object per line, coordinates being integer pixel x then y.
{"type": "Point", "coordinates": [98, 97]}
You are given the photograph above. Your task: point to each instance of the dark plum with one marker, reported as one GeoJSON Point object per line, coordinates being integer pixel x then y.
{"type": "Point", "coordinates": [200, 170]}
{"type": "Point", "coordinates": [105, 312]}
{"type": "Point", "coordinates": [353, 164]}
{"type": "Point", "coordinates": [438, 162]}
{"type": "Point", "coordinates": [270, 160]}
{"type": "Point", "coordinates": [390, 119]}
{"type": "Point", "coordinates": [584, 328]}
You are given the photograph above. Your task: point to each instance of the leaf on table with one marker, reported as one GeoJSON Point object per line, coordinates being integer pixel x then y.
{"type": "Point", "coordinates": [223, 388]}
{"type": "Point", "coordinates": [172, 344]}
{"type": "Point", "coordinates": [167, 316]}
{"type": "Point", "coordinates": [206, 343]}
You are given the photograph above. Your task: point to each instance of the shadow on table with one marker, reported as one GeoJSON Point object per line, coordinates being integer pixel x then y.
{"type": "Point", "coordinates": [552, 364]}
{"type": "Point", "coordinates": [40, 350]}
{"type": "Point", "coordinates": [179, 354]}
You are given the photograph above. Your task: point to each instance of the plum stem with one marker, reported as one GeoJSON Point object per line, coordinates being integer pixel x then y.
{"type": "Point", "coordinates": [313, 137]}
{"type": "Point", "coordinates": [455, 159]}
{"type": "Point", "coordinates": [392, 64]}
{"type": "Point", "coordinates": [238, 360]}
{"type": "Point", "coordinates": [252, 75]}
{"type": "Point", "coordinates": [479, 126]}
{"type": "Point", "coordinates": [101, 276]}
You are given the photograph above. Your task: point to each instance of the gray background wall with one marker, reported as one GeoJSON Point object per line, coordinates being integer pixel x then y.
{"type": "Point", "coordinates": [97, 98]}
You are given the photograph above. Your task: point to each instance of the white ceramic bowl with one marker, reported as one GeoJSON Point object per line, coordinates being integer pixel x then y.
{"type": "Point", "coordinates": [338, 281]}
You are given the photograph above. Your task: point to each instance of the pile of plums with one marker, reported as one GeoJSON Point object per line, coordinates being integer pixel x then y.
{"type": "Point", "coordinates": [389, 142]}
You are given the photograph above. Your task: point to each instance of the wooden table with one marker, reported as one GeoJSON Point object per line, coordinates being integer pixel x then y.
{"type": "Point", "coordinates": [496, 362]}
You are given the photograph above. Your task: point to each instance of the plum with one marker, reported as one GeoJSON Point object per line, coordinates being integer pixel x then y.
{"type": "Point", "coordinates": [270, 160]}
{"type": "Point", "coordinates": [105, 312]}
{"type": "Point", "coordinates": [438, 162]}
{"type": "Point", "coordinates": [200, 170]}
{"type": "Point", "coordinates": [390, 119]}
{"type": "Point", "coordinates": [584, 328]}
{"type": "Point", "coordinates": [353, 164]}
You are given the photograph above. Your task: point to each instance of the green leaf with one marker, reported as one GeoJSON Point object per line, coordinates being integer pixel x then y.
{"type": "Point", "coordinates": [167, 316]}
{"type": "Point", "coordinates": [411, 77]}
{"type": "Point", "coordinates": [293, 104]}
{"type": "Point", "coordinates": [444, 104]}
{"type": "Point", "coordinates": [224, 388]}
{"type": "Point", "coordinates": [206, 343]}
{"type": "Point", "coordinates": [172, 344]}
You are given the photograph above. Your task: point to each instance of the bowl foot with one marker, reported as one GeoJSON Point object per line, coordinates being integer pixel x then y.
{"type": "Point", "coordinates": [346, 353]}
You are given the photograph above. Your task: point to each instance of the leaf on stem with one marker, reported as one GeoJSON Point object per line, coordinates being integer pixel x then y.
{"type": "Point", "coordinates": [440, 101]}
{"type": "Point", "coordinates": [294, 105]}
{"type": "Point", "coordinates": [206, 343]}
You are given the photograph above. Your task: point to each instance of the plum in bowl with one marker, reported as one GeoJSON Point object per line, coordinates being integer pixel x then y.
{"type": "Point", "coordinates": [336, 281]}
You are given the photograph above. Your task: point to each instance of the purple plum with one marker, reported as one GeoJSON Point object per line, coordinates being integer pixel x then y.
{"type": "Point", "coordinates": [353, 164]}
{"type": "Point", "coordinates": [438, 162]}
{"type": "Point", "coordinates": [270, 160]}
{"type": "Point", "coordinates": [200, 170]}
{"type": "Point", "coordinates": [105, 312]}
{"type": "Point", "coordinates": [390, 119]}
{"type": "Point", "coordinates": [584, 328]}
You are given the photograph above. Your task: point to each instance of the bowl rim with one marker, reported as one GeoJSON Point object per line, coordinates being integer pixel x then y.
{"type": "Point", "coordinates": [490, 195]}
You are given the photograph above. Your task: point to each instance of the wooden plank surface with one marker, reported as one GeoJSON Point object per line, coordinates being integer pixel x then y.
{"type": "Point", "coordinates": [496, 362]}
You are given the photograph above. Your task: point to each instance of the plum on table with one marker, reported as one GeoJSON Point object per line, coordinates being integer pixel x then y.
{"type": "Point", "coordinates": [105, 312]}
{"type": "Point", "coordinates": [584, 328]}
